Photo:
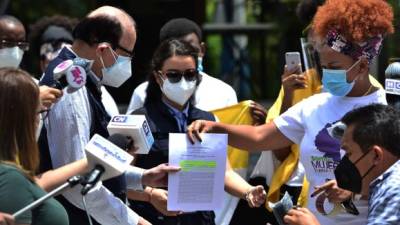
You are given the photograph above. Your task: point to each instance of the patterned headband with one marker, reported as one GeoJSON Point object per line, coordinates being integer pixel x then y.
{"type": "Point", "coordinates": [368, 49]}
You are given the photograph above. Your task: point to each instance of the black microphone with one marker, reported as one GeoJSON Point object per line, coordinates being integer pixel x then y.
{"type": "Point", "coordinates": [91, 178]}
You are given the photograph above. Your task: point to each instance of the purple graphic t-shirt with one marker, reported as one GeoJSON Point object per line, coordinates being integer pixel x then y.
{"type": "Point", "coordinates": [306, 124]}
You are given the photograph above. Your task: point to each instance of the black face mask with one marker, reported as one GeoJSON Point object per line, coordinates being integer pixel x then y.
{"type": "Point", "coordinates": [347, 175]}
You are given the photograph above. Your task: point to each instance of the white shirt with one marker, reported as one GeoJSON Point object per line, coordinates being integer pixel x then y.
{"type": "Point", "coordinates": [211, 94]}
{"type": "Point", "coordinates": [109, 102]}
{"type": "Point", "coordinates": [305, 124]}
{"type": "Point", "coordinates": [68, 131]}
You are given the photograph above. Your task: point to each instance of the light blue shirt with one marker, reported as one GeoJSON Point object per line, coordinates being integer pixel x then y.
{"type": "Point", "coordinates": [384, 198]}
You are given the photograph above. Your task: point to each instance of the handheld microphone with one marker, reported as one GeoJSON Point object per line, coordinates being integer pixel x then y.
{"type": "Point", "coordinates": [392, 84]}
{"type": "Point", "coordinates": [107, 158]}
{"type": "Point", "coordinates": [134, 126]}
{"type": "Point", "coordinates": [71, 74]}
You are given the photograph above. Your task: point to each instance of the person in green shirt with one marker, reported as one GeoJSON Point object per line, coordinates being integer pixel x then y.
{"type": "Point", "coordinates": [19, 157]}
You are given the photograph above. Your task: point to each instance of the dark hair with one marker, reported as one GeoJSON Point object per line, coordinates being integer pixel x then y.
{"type": "Point", "coordinates": [166, 50]}
{"type": "Point", "coordinates": [39, 27]}
{"type": "Point", "coordinates": [178, 28]}
{"type": "Point", "coordinates": [98, 29]}
{"type": "Point", "coordinates": [306, 10]}
{"type": "Point", "coordinates": [20, 97]}
{"type": "Point", "coordinates": [375, 124]}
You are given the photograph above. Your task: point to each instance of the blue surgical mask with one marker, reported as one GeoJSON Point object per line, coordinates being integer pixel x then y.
{"type": "Point", "coordinates": [118, 73]}
{"type": "Point", "coordinates": [335, 81]}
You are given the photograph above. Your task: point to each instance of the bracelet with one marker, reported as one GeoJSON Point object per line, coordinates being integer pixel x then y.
{"type": "Point", "coordinates": [247, 193]}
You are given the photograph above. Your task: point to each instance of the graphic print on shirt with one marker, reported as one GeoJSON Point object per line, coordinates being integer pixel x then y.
{"type": "Point", "coordinates": [331, 149]}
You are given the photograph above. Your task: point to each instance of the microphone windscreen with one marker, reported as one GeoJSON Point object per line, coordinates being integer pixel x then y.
{"type": "Point", "coordinates": [119, 140]}
{"type": "Point", "coordinates": [393, 71]}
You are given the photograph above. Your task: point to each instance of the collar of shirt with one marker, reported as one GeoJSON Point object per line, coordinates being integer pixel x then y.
{"type": "Point", "coordinates": [174, 111]}
{"type": "Point", "coordinates": [180, 116]}
{"type": "Point", "coordinates": [387, 173]}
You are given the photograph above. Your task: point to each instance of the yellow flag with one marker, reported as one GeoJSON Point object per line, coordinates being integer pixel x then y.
{"type": "Point", "coordinates": [236, 114]}
{"type": "Point", "coordinates": [283, 173]}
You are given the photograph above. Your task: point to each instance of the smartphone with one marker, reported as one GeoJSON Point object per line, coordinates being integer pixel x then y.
{"type": "Point", "coordinates": [293, 60]}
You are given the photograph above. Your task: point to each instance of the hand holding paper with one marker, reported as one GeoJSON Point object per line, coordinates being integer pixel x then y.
{"type": "Point", "coordinates": [200, 183]}
{"type": "Point", "coordinates": [158, 176]}
{"type": "Point", "coordinates": [158, 198]}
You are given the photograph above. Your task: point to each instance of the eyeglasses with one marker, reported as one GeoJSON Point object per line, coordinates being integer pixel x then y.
{"type": "Point", "coordinates": [24, 46]}
{"type": "Point", "coordinates": [130, 53]}
{"type": "Point", "coordinates": [174, 76]}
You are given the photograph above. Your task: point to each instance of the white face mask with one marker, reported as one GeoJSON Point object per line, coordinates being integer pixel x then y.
{"type": "Point", "coordinates": [179, 92]}
{"type": "Point", "coordinates": [11, 57]}
{"type": "Point", "coordinates": [118, 73]}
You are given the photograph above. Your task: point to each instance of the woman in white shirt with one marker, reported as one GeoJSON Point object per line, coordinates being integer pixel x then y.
{"type": "Point", "coordinates": [350, 34]}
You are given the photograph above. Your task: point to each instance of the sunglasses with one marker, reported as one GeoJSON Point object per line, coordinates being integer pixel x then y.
{"type": "Point", "coordinates": [174, 76]}
{"type": "Point", "coordinates": [24, 46]}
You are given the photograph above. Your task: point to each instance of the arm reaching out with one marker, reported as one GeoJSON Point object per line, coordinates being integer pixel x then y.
{"type": "Point", "coordinates": [251, 138]}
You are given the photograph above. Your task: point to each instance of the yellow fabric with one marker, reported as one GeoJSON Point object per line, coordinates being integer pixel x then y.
{"type": "Point", "coordinates": [374, 82]}
{"type": "Point", "coordinates": [236, 114]}
{"type": "Point", "coordinates": [285, 170]}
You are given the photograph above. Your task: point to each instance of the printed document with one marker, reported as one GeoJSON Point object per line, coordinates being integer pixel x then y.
{"type": "Point", "coordinates": [200, 183]}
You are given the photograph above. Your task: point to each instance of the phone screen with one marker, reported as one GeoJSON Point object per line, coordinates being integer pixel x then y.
{"type": "Point", "coordinates": [293, 60]}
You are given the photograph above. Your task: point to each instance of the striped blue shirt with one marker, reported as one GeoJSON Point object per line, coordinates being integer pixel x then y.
{"type": "Point", "coordinates": [384, 198]}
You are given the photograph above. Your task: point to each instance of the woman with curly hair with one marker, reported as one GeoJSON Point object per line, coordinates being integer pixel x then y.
{"type": "Point", "coordinates": [350, 35]}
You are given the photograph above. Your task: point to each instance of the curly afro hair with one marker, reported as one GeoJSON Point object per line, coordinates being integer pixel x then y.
{"type": "Point", "coordinates": [356, 20]}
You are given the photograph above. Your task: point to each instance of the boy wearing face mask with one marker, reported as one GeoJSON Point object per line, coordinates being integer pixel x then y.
{"type": "Point", "coordinates": [371, 166]}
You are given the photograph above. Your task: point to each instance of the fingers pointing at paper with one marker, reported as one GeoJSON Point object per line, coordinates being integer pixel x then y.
{"type": "Point", "coordinates": [197, 127]}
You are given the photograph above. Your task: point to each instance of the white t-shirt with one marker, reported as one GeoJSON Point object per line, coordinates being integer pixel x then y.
{"type": "Point", "coordinates": [306, 124]}
{"type": "Point", "coordinates": [211, 94]}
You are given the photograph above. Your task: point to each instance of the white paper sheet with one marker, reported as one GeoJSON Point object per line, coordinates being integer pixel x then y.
{"type": "Point", "coordinates": [200, 183]}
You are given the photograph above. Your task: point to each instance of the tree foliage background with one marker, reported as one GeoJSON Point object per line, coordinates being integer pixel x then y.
{"type": "Point", "coordinates": [264, 86]}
